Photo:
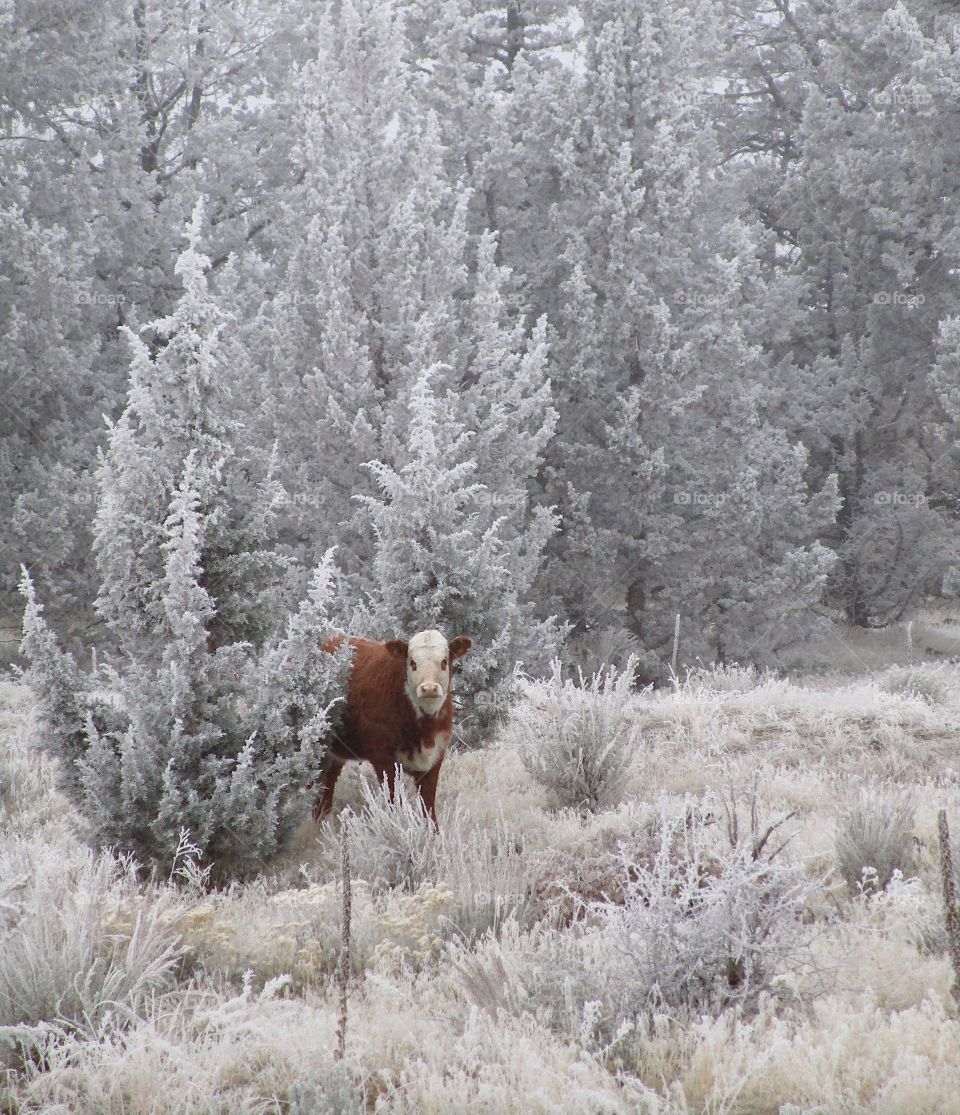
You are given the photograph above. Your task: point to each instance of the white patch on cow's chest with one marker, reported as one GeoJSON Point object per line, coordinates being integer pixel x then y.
{"type": "Point", "coordinates": [425, 758]}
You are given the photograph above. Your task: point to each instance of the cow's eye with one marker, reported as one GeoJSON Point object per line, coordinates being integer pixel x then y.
{"type": "Point", "coordinates": [413, 664]}
{"type": "Point", "coordinates": [443, 664]}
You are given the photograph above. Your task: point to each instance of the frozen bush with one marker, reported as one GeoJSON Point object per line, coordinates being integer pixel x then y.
{"type": "Point", "coordinates": [330, 1092]}
{"type": "Point", "coordinates": [65, 957]}
{"type": "Point", "coordinates": [580, 741]}
{"type": "Point", "coordinates": [703, 926]}
{"type": "Point", "coordinates": [932, 684]}
{"type": "Point", "coordinates": [875, 837]}
{"type": "Point", "coordinates": [697, 927]}
{"type": "Point", "coordinates": [394, 845]}
{"type": "Point", "coordinates": [220, 742]}
{"type": "Point", "coordinates": [725, 677]}
{"type": "Point", "coordinates": [217, 712]}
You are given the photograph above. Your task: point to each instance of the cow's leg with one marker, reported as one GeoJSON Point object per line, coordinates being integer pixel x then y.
{"type": "Point", "coordinates": [427, 789]}
{"type": "Point", "coordinates": [330, 769]}
{"type": "Point", "coordinates": [387, 771]}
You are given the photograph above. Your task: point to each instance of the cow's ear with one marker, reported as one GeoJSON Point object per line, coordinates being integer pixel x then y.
{"type": "Point", "coordinates": [397, 647]}
{"type": "Point", "coordinates": [459, 646]}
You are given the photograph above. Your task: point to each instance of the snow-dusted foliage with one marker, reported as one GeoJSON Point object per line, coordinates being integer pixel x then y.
{"type": "Point", "coordinates": [449, 554]}
{"type": "Point", "coordinates": [215, 725]}
{"type": "Point", "coordinates": [330, 1091]}
{"type": "Point", "coordinates": [579, 739]}
{"type": "Point", "coordinates": [603, 991]}
{"type": "Point", "coordinates": [698, 924]}
{"type": "Point", "coordinates": [484, 876]}
{"type": "Point", "coordinates": [618, 335]}
{"type": "Point", "coordinates": [702, 926]}
{"type": "Point", "coordinates": [176, 422]}
{"type": "Point", "coordinates": [220, 744]}
{"type": "Point", "coordinates": [752, 340]}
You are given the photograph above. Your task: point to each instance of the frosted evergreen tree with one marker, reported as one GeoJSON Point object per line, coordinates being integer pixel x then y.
{"type": "Point", "coordinates": [218, 745]}
{"type": "Point", "coordinates": [445, 556]}
{"type": "Point", "coordinates": [383, 280]}
{"type": "Point", "coordinates": [373, 242]}
{"type": "Point", "coordinates": [52, 368]}
{"type": "Point", "coordinates": [114, 117]}
{"type": "Point", "coordinates": [488, 68]}
{"type": "Point", "coordinates": [217, 720]}
{"type": "Point", "coordinates": [684, 487]}
{"type": "Point", "coordinates": [177, 404]}
{"type": "Point", "coordinates": [846, 116]}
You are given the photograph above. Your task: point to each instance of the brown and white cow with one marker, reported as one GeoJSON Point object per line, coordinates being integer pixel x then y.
{"type": "Point", "coordinates": [399, 712]}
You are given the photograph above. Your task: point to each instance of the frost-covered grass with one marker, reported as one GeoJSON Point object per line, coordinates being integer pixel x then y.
{"type": "Point", "coordinates": [664, 954]}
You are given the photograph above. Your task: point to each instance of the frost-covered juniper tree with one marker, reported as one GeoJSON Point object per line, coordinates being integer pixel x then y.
{"type": "Point", "coordinates": [214, 724]}
{"type": "Point", "coordinates": [680, 492]}
{"type": "Point", "coordinates": [176, 406]}
{"type": "Point", "coordinates": [113, 117]}
{"type": "Point", "coordinates": [447, 555]}
{"type": "Point", "coordinates": [221, 746]}
{"type": "Point", "coordinates": [380, 279]}
{"type": "Point", "coordinates": [372, 241]}
{"type": "Point", "coordinates": [848, 114]}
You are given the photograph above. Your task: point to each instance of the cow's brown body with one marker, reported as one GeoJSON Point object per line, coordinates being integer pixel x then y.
{"type": "Point", "coordinates": [383, 726]}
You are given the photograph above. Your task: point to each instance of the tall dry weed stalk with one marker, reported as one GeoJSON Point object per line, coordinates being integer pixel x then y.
{"type": "Point", "coordinates": [950, 899]}
{"type": "Point", "coordinates": [343, 965]}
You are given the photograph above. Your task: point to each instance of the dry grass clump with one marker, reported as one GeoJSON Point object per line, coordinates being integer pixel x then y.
{"type": "Point", "coordinates": [571, 881]}
{"type": "Point", "coordinates": [413, 890]}
{"type": "Point", "coordinates": [485, 869]}
{"type": "Point", "coordinates": [28, 795]}
{"type": "Point", "coordinates": [294, 934]}
{"type": "Point", "coordinates": [726, 678]}
{"type": "Point", "coordinates": [67, 961]}
{"type": "Point", "coordinates": [875, 837]}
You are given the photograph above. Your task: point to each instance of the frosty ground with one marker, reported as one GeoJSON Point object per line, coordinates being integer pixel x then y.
{"type": "Point", "coordinates": [500, 967]}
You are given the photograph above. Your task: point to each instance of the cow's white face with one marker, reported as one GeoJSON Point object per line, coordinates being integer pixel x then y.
{"type": "Point", "coordinates": [429, 657]}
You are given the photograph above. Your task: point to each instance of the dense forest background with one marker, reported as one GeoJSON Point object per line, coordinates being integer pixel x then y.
{"type": "Point", "coordinates": [557, 321]}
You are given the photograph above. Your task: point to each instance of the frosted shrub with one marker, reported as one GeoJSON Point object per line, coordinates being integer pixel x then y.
{"type": "Point", "coordinates": [580, 741]}
{"type": "Point", "coordinates": [456, 542]}
{"type": "Point", "coordinates": [723, 677]}
{"type": "Point", "coordinates": [215, 719]}
{"type": "Point", "coordinates": [393, 845]}
{"type": "Point", "coordinates": [697, 926]}
{"type": "Point", "coordinates": [702, 926]}
{"type": "Point", "coordinates": [222, 745]}
{"type": "Point", "coordinates": [875, 837]}
{"type": "Point", "coordinates": [330, 1092]}
{"type": "Point", "coordinates": [932, 684]}
{"type": "Point", "coordinates": [65, 957]}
